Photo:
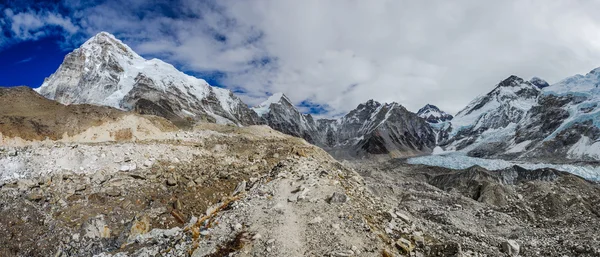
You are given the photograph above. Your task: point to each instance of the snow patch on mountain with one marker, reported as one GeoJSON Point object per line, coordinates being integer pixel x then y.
{"type": "Point", "coordinates": [264, 107]}
{"type": "Point", "coordinates": [433, 114]}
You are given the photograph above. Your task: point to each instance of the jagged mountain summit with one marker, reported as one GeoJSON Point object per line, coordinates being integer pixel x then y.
{"type": "Point", "coordinates": [523, 120]}
{"type": "Point", "coordinates": [280, 114]}
{"type": "Point", "coordinates": [105, 71]}
{"type": "Point", "coordinates": [370, 129]}
{"type": "Point", "coordinates": [433, 114]}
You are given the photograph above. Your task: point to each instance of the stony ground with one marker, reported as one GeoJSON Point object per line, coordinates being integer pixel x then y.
{"type": "Point", "coordinates": [212, 191]}
{"type": "Point", "coordinates": [493, 213]}
{"type": "Point", "coordinates": [227, 191]}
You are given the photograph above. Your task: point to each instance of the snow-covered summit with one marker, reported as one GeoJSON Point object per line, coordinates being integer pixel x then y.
{"type": "Point", "coordinates": [578, 84]}
{"type": "Point", "coordinates": [433, 114]}
{"type": "Point", "coordinates": [105, 71]}
{"type": "Point", "coordinates": [538, 82]}
{"type": "Point", "coordinates": [276, 98]}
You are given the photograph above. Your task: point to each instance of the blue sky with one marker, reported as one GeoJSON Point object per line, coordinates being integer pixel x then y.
{"type": "Point", "coordinates": [326, 56]}
{"type": "Point", "coordinates": [28, 63]}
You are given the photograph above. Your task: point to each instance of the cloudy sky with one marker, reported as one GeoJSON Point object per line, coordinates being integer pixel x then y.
{"type": "Point", "coordinates": [327, 56]}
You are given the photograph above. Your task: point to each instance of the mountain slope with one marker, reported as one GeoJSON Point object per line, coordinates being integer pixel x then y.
{"type": "Point", "coordinates": [486, 125]}
{"type": "Point", "coordinates": [370, 129]}
{"type": "Point", "coordinates": [531, 120]}
{"type": "Point", "coordinates": [280, 114]}
{"type": "Point", "coordinates": [433, 114]}
{"type": "Point", "coordinates": [104, 71]}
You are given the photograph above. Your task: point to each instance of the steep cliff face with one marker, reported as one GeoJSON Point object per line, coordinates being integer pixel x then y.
{"type": "Point", "coordinates": [105, 71]}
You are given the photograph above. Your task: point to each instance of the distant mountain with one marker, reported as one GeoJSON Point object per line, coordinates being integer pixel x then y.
{"type": "Point", "coordinates": [531, 120]}
{"type": "Point", "coordinates": [105, 71]}
{"type": "Point", "coordinates": [280, 114]}
{"type": "Point", "coordinates": [538, 82]}
{"type": "Point", "coordinates": [370, 129]}
{"type": "Point", "coordinates": [491, 119]}
{"type": "Point", "coordinates": [433, 114]}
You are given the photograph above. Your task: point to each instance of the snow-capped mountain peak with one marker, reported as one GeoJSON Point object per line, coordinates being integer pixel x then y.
{"type": "Point", "coordinates": [538, 82]}
{"type": "Point", "coordinates": [276, 98]}
{"type": "Point", "coordinates": [105, 71]}
{"type": "Point", "coordinates": [587, 85]}
{"type": "Point", "coordinates": [433, 114]}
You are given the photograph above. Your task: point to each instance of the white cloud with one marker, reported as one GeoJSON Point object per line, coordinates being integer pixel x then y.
{"type": "Point", "coordinates": [344, 52]}
{"type": "Point", "coordinates": [31, 25]}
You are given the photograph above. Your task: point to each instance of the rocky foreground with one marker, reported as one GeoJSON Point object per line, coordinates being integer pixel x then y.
{"type": "Point", "coordinates": [228, 191]}
{"type": "Point", "coordinates": [212, 191]}
{"type": "Point", "coordinates": [83, 180]}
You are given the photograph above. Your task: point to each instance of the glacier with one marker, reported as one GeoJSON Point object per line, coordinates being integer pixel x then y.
{"type": "Point", "coordinates": [458, 160]}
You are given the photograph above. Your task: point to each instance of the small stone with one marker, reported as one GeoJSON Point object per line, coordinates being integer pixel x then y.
{"type": "Point", "coordinates": [171, 181]}
{"type": "Point", "coordinates": [241, 187]}
{"type": "Point", "coordinates": [204, 232]}
{"type": "Point", "coordinates": [403, 217]}
{"type": "Point", "coordinates": [177, 205]}
{"type": "Point", "coordinates": [13, 153]}
{"type": "Point", "coordinates": [191, 184]}
{"type": "Point", "coordinates": [25, 184]}
{"type": "Point", "coordinates": [257, 236]}
{"type": "Point", "coordinates": [293, 198]}
{"type": "Point", "coordinates": [35, 195]}
{"type": "Point", "coordinates": [405, 245]}
{"type": "Point", "coordinates": [315, 220]}
{"type": "Point", "coordinates": [113, 192]}
{"type": "Point", "coordinates": [275, 155]}
{"type": "Point", "coordinates": [511, 247]}
{"type": "Point", "coordinates": [148, 163]}
{"type": "Point", "coordinates": [338, 198]}
{"type": "Point", "coordinates": [237, 227]}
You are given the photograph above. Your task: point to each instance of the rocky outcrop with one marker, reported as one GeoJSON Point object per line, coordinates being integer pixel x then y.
{"type": "Point", "coordinates": [104, 71]}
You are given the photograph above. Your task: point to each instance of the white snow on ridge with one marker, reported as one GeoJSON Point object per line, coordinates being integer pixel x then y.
{"type": "Point", "coordinates": [264, 107]}
{"type": "Point", "coordinates": [459, 161]}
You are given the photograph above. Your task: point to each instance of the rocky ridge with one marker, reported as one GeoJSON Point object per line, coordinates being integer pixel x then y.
{"type": "Point", "coordinates": [372, 129]}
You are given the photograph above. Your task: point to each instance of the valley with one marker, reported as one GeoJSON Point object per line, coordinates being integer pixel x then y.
{"type": "Point", "coordinates": [116, 155]}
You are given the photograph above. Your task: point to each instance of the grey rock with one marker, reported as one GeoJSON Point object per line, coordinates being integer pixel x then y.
{"type": "Point", "coordinates": [171, 181]}
{"type": "Point", "coordinates": [241, 187]}
{"type": "Point", "coordinates": [337, 198]}
{"type": "Point", "coordinates": [511, 247]}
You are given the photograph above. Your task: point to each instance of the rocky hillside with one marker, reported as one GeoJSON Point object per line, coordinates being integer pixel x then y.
{"type": "Point", "coordinates": [27, 116]}
{"type": "Point", "coordinates": [371, 130]}
{"type": "Point", "coordinates": [510, 212]}
{"type": "Point", "coordinates": [105, 71]}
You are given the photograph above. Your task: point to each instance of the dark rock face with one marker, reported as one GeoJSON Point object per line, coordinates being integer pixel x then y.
{"type": "Point", "coordinates": [284, 117]}
{"type": "Point", "coordinates": [433, 114]}
{"type": "Point", "coordinates": [370, 129]}
{"type": "Point", "coordinates": [538, 82]}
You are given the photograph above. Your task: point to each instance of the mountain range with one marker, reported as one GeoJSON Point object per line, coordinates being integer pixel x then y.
{"type": "Point", "coordinates": [517, 119]}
